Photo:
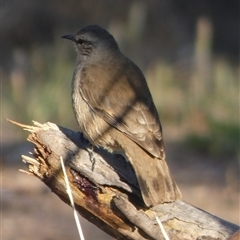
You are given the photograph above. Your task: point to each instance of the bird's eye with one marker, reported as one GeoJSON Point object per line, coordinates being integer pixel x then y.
{"type": "Point", "coordinates": [80, 41]}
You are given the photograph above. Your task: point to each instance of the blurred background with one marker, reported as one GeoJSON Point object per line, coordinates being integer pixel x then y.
{"type": "Point", "coordinates": [189, 53]}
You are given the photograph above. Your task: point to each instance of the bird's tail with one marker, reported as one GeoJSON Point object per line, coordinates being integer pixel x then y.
{"type": "Point", "coordinates": [155, 180]}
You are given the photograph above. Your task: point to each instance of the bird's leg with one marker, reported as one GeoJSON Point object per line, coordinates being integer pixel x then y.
{"type": "Point", "coordinates": [92, 159]}
{"type": "Point", "coordinates": [88, 147]}
{"type": "Point", "coordinates": [83, 140]}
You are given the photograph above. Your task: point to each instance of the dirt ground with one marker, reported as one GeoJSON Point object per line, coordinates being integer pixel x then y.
{"type": "Point", "coordinates": [29, 210]}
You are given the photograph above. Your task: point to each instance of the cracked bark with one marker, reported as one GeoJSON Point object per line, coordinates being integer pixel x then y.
{"type": "Point", "coordinates": [106, 192]}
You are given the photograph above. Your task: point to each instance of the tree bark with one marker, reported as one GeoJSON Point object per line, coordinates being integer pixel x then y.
{"type": "Point", "coordinates": [106, 191]}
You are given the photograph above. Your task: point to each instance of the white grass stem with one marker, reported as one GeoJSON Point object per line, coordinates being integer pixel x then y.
{"type": "Point", "coordinates": [69, 192]}
{"type": "Point", "coordinates": [161, 227]}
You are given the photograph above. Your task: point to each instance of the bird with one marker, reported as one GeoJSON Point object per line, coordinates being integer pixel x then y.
{"type": "Point", "coordinates": [115, 111]}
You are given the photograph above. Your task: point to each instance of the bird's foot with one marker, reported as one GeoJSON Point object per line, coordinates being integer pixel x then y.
{"type": "Point", "coordinates": [88, 147]}
{"type": "Point", "coordinates": [91, 157]}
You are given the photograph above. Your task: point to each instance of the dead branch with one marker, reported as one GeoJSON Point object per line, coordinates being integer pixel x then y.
{"type": "Point", "coordinates": [106, 191]}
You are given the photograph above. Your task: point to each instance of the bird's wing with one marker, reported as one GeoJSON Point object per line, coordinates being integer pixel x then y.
{"type": "Point", "coordinates": [123, 100]}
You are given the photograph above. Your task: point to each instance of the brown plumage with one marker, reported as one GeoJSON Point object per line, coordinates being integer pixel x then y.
{"type": "Point", "coordinates": [115, 110]}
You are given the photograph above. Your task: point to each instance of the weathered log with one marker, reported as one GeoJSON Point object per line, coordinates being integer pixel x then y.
{"type": "Point", "coordinates": [106, 192]}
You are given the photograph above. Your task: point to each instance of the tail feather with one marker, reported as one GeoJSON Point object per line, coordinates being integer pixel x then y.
{"type": "Point", "coordinates": [155, 180]}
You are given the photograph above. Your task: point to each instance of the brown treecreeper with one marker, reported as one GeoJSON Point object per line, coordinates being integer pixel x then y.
{"type": "Point", "coordinates": [115, 110]}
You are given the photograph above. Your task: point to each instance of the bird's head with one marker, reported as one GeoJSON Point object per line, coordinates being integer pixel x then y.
{"type": "Point", "coordinates": [93, 42]}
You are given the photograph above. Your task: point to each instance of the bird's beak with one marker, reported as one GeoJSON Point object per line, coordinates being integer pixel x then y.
{"type": "Point", "coordinates": [70, 37]}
